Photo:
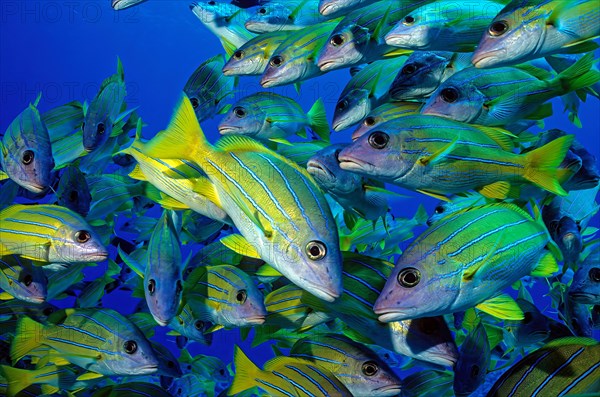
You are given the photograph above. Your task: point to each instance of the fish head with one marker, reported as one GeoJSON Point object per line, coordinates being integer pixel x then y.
{"type": "Point", "coordinates": [192, 327]}
{"type": "Point", "coordinates": [270, 17]}
{"type": "Point", "coordinates": [245, 305]}
{"type": "Point", "coordinates": [569, 239]}
{"type": "Point", "coordinates": [73, 191]}
{"type": "Point", "coordinates": [372, 376]}
{"type": "Point", "coordinates": [26, 152]}
{"type": "Point", "coordinates": [213, 12]}
{"type": "Point", "coordinates": [463, 102]}
{"type": "Point", "coordinates": [415, 31]}
{"type": "Point", "coordinates": [585, 287]}
{"type": "Point", "coordinates": [98, 121]}
{"type": "Point", "coordinates": [471, 367]}
{"type": "Point", "coordinates": [427, 339]}
{"type": "Point", "coordinates": [377, 155]}
{"type": "Point", "coordinates": [512, 36]}
{"type": "Point", "coordinates": [329, 7]}
{"type": "Point", "coordinates": [244, 118]}
{"type": "Point", "coordinates": [534, 328]}
{"type": "Point", "coordinates": [29, 283]}
{"type": "Point", "coordinates": [78, 243]}
{"type": "Point", "coordinates": [369, 123]}
{"type": "Point", "coordinates": [96, 129]}
{"type": "Point", "coordinates": [245, 61]}
{"type": "Point", "coordinates": [168, 363]}
{"type": "Point", "coordinates": [344, 48]}
{"type": "Point", "coordinates": [420, 75]}
{"type": "Point", "coordinates": [325, 168]}
{"type": "Point", "coordinates": [351, 109]}
{"type": "Point", "coordinates": [283, 68]}
{"type": "Point", "coordinates": [163, 295]}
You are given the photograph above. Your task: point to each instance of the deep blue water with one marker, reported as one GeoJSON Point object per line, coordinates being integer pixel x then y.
{"type": "Point", "coordinates": [66, 48]}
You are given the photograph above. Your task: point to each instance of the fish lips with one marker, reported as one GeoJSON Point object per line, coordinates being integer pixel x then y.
{"type": "Point", "coordinates": [327, 8]}
{"type": "Point", "coordinates": [388, 390]}
{"type": "Point", "coordinates": [584, 298]}
{"type": "Point", "coordinates": [484, 59]}
{"type": "Point", "coordinates": [320, 170]}
{"type": "Point", "coordinates": [350, 163]}
{"type": "Point", "coordinates": [227, 130]}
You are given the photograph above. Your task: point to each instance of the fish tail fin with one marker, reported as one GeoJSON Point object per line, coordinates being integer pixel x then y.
{"type": "Point", "coordinates": [183, 138]}
{"type": "Point", "coordinates": [17, 379]}
{"type": "Point", "coordinates": [578, 76]}
{"type": "Point", "coordinates": [245, 373]}
{"type": "Point", "coordinates": [541, 164]}
{"type": "Point", "coordinates": [28, 336]}
{"type": "Point", "coordinates": [317, 119]}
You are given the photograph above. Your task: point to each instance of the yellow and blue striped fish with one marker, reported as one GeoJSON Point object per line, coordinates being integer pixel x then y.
{"type": "Point", "coordinates": [251, 59]}
{"type": "Point", "coordinates": [48, 233]}
{"type": "Point", "coordinates": [20, 278]}
{"type": "Point", "coordinates": [381, 114]}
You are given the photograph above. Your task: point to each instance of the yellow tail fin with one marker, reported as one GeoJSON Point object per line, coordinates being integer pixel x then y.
{"type": "Point", "coordinates": [541, 164]}
{"type": "Point", "coordinates": [245, 373]}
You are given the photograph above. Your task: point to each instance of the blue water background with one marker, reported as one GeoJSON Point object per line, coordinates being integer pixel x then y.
{"type": "Point", "coordinates": [66, 48]}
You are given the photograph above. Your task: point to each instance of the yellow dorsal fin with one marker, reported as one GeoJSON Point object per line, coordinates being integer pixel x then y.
{"type": "Point", "coordinates": [237, 243]}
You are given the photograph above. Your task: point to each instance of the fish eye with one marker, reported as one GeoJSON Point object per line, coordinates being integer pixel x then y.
{"type": "Point", "coordinates": [439, 210]}
{"type": "Point", "coordinates": [27, 280]}
{"type": "Point", "coordinates": [474, 371]}
{"type": "Point", "coordinates": [262, 10]}
{"type": "Point", "coordinates": [370, 121]}
{"type": "Point", "coordinates": [199, 325]}
{"type": "Point", "coordinates": [409, 277]}
{"type": "Point", "coordinates": [409, 69]}
{"type": "Point", "coordinates": [222, 372]}
{"type": "Point", "coordinates": [276, 61]}
{"type": "Point", "coordinates": [101, 128]}
{"type": "Point", "coordinates": [341, 105]}
{"type": "Point", "coordinates": [316, 250]}
{"type": "Point", "coordinates": [578, 226]}
{"type": "Point", "coordinates": [498, 28]}
{"type": "Point", "coordinates": [151, 286]}
{"type": "Point", "coordinates": [28, 157]}
{"type": "Point", "coordinates": [83, 236]}
{"type": "Point", "coordinates": [212, 3]}
{"type": "Point", "coordinates": [239, 112]}
{"type": "Point", "coordinates": [427, 325]}
{"type": "Point", "coordinates": [48, 311]}
{"type": "Point", "coordinates": [241, 296]}
{"type": "Point", "coordinates": [73, 196]}
{"type": "Point", "coordinates": [378, 140]}
{"type": "Point", "coordinates": [336, 154]}
{"type": "Point", "coordinates": [595, 274]}
{"type": "Point", "coordinates": [130, 347]}
{"type": "Point", "coordinates": [170, 364]}
{"type": "Point", "coordinates": [178, 287]}
{"type": "Point", "coordinates": [82, 125]}
{"type": "Point", "coordinates": [449, 95]}
{"type": "Point", "coordinates": [408, 20]}
{"type": "Point", "coordinates": [527, 317]}
{"type": "Point", "coordinates": [370, 368]}
{"type": "Point", "coordinates": [194, 102]}
{"type": "Point", "coordinates": [337, 40]}
{"type": "Point", "coordinates": [238, 54]}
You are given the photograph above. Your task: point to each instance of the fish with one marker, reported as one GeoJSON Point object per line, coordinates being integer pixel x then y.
{"type": "Point", "coordinates": [186, 325]}
{"type": "Point", "coordinates": [78, 335]}
{"type": "Point", "coordinates": [132, 389]}
{"type": "Point", "coordinates": [27, 152]}
{"type": "Point", "coordinates": [381, 114]}
{"type": "Point", "coordinates": [51, 377]}
{"type": "Point", "coordinates": [255, 185]}
{"type": "Point", "coordinates": [118, 5]}
{"type": "Point", "coordinates": [206, 367]}
{"type": "Point", "coordinates": [424, 71]}
{"type": "Point", "coordinates": [427, 154]}
{"type": "Point", "coordinates": [525, 30]}
{"type": "Point", "coordinates": [285, 376]}
{"type": "Point", "coordinates": [66, 135]}
{"type": "Point", "coordinates": [208, 87]}
{"type": "Point", "coordinates": [73, 191]}
{"type": "Point", "coordinates": [337, 7]}
{"type": "Point", "coordinates": [585, 287]}
{"type": "Point", "coordinates": [354, 192]}
{"type": "Point", "coordinates": [365, 91]}
{"type": "Point", "coordinates": [563, 366]}
{"type": "Point", "coordinates": [48, 233]}
{"type": "Point", "coordinates": [91, 295]}
{"type": "Point", "coordinates": [444, 26]}
{"type": "Point", "coordinates": [104, 111]}
{"type": "Point", "coordinates": [355, 365]}
{"type": "Point", "coordinates": [445, 208]}
{"type": "Point", "coordinates": [429, 382]}
{"type": "Point", "coordinates": [288, 15]}
{"type": "Point", "coordinates": [269, 116]}
{"type": "Point", "coordinates": [473, 362]}
{"type": "Point", "coordinates": [359, 37]}
{"type": "Point", "coordinates": [163, 282]}
{"type": "Point", "coordinates": [226, 21]}
{"type": "Point", "coordinates": [22, 279]}
{"type": "Point", "coordinates": [168, 365]}
{"type": "Point", "coordinates": [252, 58]}
{"type": "Point", "coordinates": [224, 295]}
{"type": "Point", "coordinates": [295, 58]}
{"type": "Point", "coordinates": [503, 95]}
{"type": "Point", "coordinates": [567, 217]}
{"type": "Point", "coordinates": [471, 255]}
{"type": "Point", "coordinates": [578, 317]}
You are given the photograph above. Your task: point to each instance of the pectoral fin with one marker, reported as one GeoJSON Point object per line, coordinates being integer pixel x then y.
{"type": "Point", "coordinates": [237, 243]}
{"type": "Point", "coordinates": [502, 306]}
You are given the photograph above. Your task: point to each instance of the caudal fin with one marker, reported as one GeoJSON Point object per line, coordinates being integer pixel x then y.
{"type": "Point", "coordinates": [28, 336]}
{"type": "Point", "coordinates": [245, 373]}
{"type": "Point", "coordinates": [541, 164]}
{"type": "Point", "coordinates": [578, 76]}
{"type": "Point", "coordinates": [318, 120]}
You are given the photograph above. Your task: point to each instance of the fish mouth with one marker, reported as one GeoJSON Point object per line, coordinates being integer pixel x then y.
{"type": "Point", "coordinates": [316, 167]}
{"type": "Point", "coordinates": [255, 320]}
{"type": "Point", "coordinates": [391, 390]}
{"type": "Point", "coordinates": [160, 321]}
{"type": "Point", "coordinates": [583, 297]}
{"type": "Point", "coordinates": [267, 83]}
{"type": "Point", "coordinates": [387, 315]}
{"type": "Point", "coordinates": [338, 126]}
{"type": "Point", "coordinates": [485, 59]}
{"type": "Point", "coordinates": [35, 187]}
{"type": "Point", "coordinates": [147, 369]}
{"type": "Point", "coordinates": [398, 39]}
{"type": "Point", "coordinates": [351, 164]}
{"type": "Point", "coordinates": [228, 130]}
{"type": "Point", "coordinates": [36, 299]}
{"type": "Point", "coordinates": [326, 9]}
{"type": "Point", "coordinates": [326, 65]}
{"type": "Point", "coordinates": [322, 293]}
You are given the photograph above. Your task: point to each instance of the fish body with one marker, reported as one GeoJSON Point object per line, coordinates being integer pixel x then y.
{"type": "Point", "coordinates": [564, 366]}
{"type": "Point", "coordinates": [444, 26]}
{"type": "Point", "coordinates": [348, 189]}
{"type": "Point", "coordinates": [585, 287]}
{"type": "Point", "coordinates": [386, 112]}
{"type": "Point", "coordinates": [366, 90]}
{"type": "Point", "coordinates": [424, 71]}
{"type": "Point", "coordinates": [337, 7]}
{"type": "Point", "coordinates": [81, 334]}
{"type": "Point", "coordinates": [427, 154]}
{"type": "Point", "coordinates": [48, 233]}
{"type": "Point", "coordinates": [355, 365]}
{"type": "Point", "coordinates": [73, 191]}
{"type": "Point", "coordinates": [104, 110]}
{"type": "Point", "coordinates": [295, 58]}
{"type": "Point", "coordinates": [252, 58]}
{"type": "Point", "coordinates": [268, 198]}
{"type": "Point", "coordinates": [22, 279]}
{"type": "Point", "coordinates": [225, 295]}
{"type": "Point", "coordinates": [266, 115]}
{"type": "Point", "coordinates": [26, 151]}
{"type": "Point", "coordinates": [207, 87]}
{"type": "Point", "coordinates": [132, 389]}
{"type": "Point", "coordinates": [457, 203]}
{"type": "Point", "coordinates": [471, 256]}
{"type": "Point", "coordinates": [288, 15]}
{"type": "Point", "coordinates": [504, 95]}
{"type": "Point", "coordinates": [206, 367]}
{"type": "Point", "coordinates": [191, 327]}
{"type": "Point", "coordinates": [118, 5]}
{"type": "Point", "coordinates": [531, 29]}
{"type": "Point", "coordinates": [163, 283]}
{"type": "Point", "coordinates": [473, 363]}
